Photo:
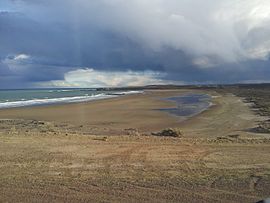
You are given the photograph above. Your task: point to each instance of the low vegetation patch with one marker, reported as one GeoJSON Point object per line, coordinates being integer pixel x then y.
{"type": "Point", "coordinates": [170, 132]}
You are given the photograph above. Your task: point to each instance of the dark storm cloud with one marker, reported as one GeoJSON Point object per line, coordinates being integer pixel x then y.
{"type": "Point", "coordinates": [188, 41]}
{"type": "Point", "coordinates": [4, 70]}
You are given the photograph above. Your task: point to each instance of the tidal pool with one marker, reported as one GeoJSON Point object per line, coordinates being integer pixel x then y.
{"type": "Point", "coordinates": [188, 105]}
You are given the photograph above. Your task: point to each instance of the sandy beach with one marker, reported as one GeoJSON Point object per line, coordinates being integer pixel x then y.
{"type": "Point", "coordinates": [103, 151]}
{"type": "Point", "coordinates": [108, 116]}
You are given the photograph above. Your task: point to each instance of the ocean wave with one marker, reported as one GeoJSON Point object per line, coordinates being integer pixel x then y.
{"type": "Point", "coordinates": [62, 90]}
{"type": "Point", "coordinates": [35, 102]}
{"type": "Point", "coordinates": [70, 90]}
{"type": "Point", "coordinates": [48, 101]}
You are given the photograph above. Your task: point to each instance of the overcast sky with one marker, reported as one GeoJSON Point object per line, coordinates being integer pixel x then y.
{"type": "Point", "coordinates": [93, 43]}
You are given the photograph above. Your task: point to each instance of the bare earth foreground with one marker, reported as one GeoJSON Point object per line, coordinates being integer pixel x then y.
{"type": "Point", "coordinates": [103, 151]}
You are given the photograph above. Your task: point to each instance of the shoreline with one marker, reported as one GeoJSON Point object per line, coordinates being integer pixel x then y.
{"type": "Point", "coordinates": [120, 115]}
{"type": "Point", "coordinates": [65, 99]}
{"type": "Point", "coordinates": [103, 116]}
{"type": "Point", "coordinates": [106, 159]}
{"type": "Point", "coordinates": [108, 116]}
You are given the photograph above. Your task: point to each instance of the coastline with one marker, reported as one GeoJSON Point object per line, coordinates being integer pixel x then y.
{"type": "Point", "coordinates": [136, 112]}
{"type": "Point", "coordinates": [113, 114]}
{"type": "Point", "coordinates": [17, 99]}
{"type": "Point", "coordinates": [102, 158]}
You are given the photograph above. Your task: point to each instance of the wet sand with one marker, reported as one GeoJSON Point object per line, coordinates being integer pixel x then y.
{"type": "Point", "coordinates": [58, 157]}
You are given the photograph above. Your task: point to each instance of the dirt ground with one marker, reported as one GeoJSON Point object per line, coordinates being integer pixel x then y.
{"type": "Point", "coordinates": [218, 159]}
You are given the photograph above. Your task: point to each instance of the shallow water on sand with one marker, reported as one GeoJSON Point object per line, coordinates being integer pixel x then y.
{"type": "Point", "coordinates": [189, 104]}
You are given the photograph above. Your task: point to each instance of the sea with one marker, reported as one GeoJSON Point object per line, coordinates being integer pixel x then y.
{"type": "Point", "coordinates": [35, 97]}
